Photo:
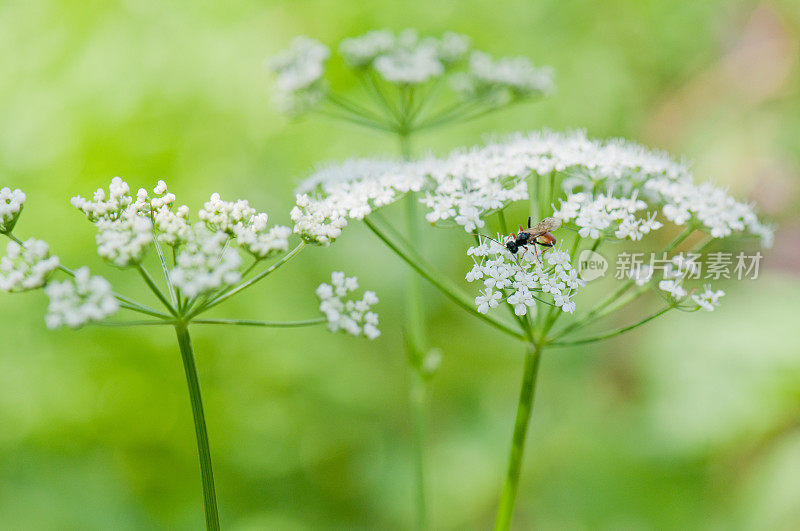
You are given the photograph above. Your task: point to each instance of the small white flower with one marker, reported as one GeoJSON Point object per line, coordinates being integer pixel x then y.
{"type": "Point", "coordinates": [673, 287]}
{"type": "Point", "coordinates": [351, 316]}
{"type": "Point", "coordinates": [708, 299]}
{"type": "Point", "coordinates": [488, 299]}
{"type": "Point", "coordinates": [26, 266]}
{"type": "Point", "coordinates": [79, 300]}
{"type": "Point", "coordinates": [11, 202]}
{"type": "Point", "coordinates": [641, 275]}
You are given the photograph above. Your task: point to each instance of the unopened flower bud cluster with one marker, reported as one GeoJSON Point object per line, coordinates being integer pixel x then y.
{"type": "Point", "coordinates": [79, 300]}
{"type": "Point", "coordinates": [11, 202]}
{"type": "Point", "coordinates": [26, 266]}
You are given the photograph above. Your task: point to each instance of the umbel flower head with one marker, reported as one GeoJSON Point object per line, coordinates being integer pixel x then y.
{"type": "Point", "coordinates": [207, 258]}
{"type": "Point", "coordinates": [613, 189]}
{"type": "Point", "coordinates": [405, 60]}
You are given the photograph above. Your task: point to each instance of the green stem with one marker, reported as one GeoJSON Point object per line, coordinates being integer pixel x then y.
{"type": "Point", "coordinates": [524, 408]}
{"type": "Point", "coordinates": [132, 323]}
{"type": "Point", "coordinates": [612, 333]}
{"type": "Point", "coordinates": [152, 285]}
{"type": "Point", "coordinates": [244, 285]}
{"type": "Point", "coordinates": [165, 269]}
{"type": "Point", "coordinates": [417, 398]}
{"type": "Point", "coordinates": [354, 108]}
{"type": "Point", "coordinates": [405, 147]}
{"type": "Point", "coordinates": [355, 119]}
{"type": "Point", "coordinates": [415, 352]}
{"type": "Point", "coordinates": [201, 433]}
{"type": "Point", "coordinates": [266, 324]}
{"type": "Point", "coordinates": [592, 315]}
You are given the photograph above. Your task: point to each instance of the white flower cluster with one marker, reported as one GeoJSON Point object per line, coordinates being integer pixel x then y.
{"type": "Point", "coordinates": [676, 272]}
{"type": "Point", "coordinates": [404, 58]}
{"type": "Point", "coordinates": [26, 266]}
{"type": "Point", "coordinates": [239, 219]}
{"type": "Point", "coordinates": [79, 300]}
{"type": "Point", "coordinates": [672, 282]}
{"type": "Point", "coordinates": [105, 206]}
{"type": "Point", "coordinates": [523, 278]}
{"type": "Point", "coordinates": [469, 184]}
{"type": "Point", "coordinates": [259, 240]}
{"type": "Point", "coordinates": [205, 263]}
{"type": "Point", "coordinates": [351, 316]}
{"type": "Point", "coordinates": [299, 73]}
{"type": "Point", "coordinates": [11, 202]}
{"type": "Point", "coordinates": [504, 79]}
{"type": "Point", "coordinates": [124, 241]}
{"type": "Point", "coordinates": [597, 214]}
{"type": "Point", "coordinates": [225, 216]}
{"type": "Point", "coordinates": [126, 227]}
{"type": "Point", "coordinates": [708, 299]}
{"type": "Point", "coordinates": [710, 206]}
{"type": "Point", "coordinates": [350, 190]}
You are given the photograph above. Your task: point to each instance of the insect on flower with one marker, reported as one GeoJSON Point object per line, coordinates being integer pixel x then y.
{"type": "Point", "coordinates": [539, 234]}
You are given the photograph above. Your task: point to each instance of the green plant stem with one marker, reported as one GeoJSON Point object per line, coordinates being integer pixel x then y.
{"type": "Point", "coordinates": [508, 496]}
{"type": "Point", "coordinates": [244, 285]}
{"type": "Point", "coordinates": [611, 333]}
{"type": "Point", "coordinates": [416, 348]}
{"type": "Point", "coordinates": [165, 270]}
{"type": "Point", "coordinates": [417, 397]}
{"type": "Point", "coordinates": [201, 433]}
{"type": "Point", "coordinates": [595, 313]}
{"type": "Point", "coordinates": [133, 323]}
{"type": "Point", "coordinates": [354, 108]}
{"type": "Point", "coordinates": [405, 147]}
{"type": "Point", "coordinates": [382, 98]}
{"type": "Point", "coordinates": [152, 285]}
{"type": "Point", "coordinates": [265, 324]}
{"type": "Point", "coordinates": [441, 283]}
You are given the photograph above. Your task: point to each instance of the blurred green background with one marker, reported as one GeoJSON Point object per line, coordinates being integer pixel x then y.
{"type": "Point", "coordinates": [690, 422]}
